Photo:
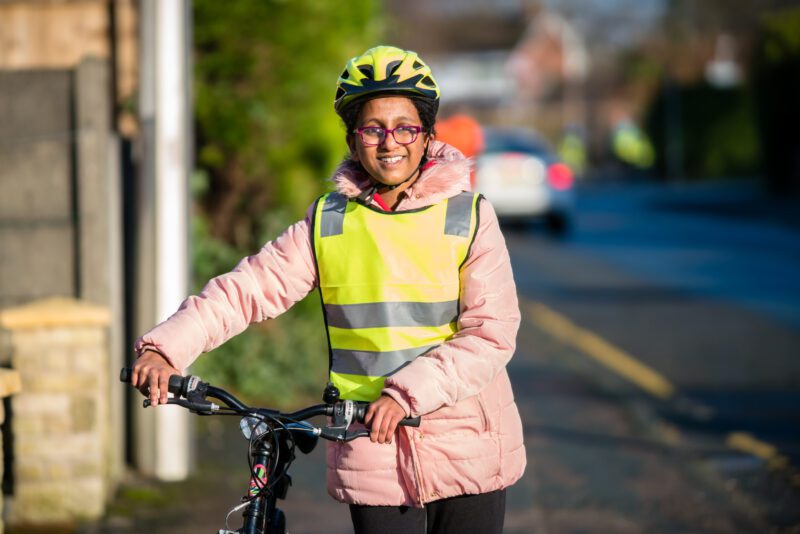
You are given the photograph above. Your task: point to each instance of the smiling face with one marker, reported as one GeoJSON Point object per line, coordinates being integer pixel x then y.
{"type": "Point", "coordinates": [389, 163]}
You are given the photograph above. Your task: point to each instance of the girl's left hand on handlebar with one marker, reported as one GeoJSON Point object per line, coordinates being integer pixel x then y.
{"type": "Point", "coordinates": [151, 372]}
{"type": "Point", "coordinates": [382, 418]}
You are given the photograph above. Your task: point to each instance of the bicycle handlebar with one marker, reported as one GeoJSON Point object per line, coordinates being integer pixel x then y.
{"type": "Point", "coordinates": [194, 393]}
{"type": "Point", "coordinates": [273, 437]}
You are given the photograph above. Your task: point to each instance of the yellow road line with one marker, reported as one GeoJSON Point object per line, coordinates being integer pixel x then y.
{"type": "Point", "coordinates": [746, 442]}
{"type": "Point", "coordinates": [749, 444]}
{"type": "Point", "coordinates": [599, 349]}
{"type": "Point", "coordinates": [643, 376]}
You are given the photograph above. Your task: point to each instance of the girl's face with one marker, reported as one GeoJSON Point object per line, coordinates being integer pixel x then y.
{"type": "Point", "coordinates": [389, 162]}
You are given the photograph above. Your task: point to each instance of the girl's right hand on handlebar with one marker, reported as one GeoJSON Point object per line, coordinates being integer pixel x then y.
{"type": "Point", "coordinates": [382, 417]}
{"type": "Point", "coordinates": [150, 374]}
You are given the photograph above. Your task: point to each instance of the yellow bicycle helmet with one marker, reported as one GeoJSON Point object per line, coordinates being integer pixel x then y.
{"type": "Point", "coordinates": [385, 69]}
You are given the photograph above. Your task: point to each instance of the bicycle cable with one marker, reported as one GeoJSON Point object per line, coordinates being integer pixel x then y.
{"type": "Point", "coordinates": [254, 438]}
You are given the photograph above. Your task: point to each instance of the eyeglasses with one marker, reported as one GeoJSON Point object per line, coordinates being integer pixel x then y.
{"type": "Point", "coordinates": [375, 135]}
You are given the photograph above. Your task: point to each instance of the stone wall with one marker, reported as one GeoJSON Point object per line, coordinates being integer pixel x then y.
{"type": "Point", "coordinates": [59, 34]}
{"type": "Point", "coordinates": [36, 198]}
{"type": "Point", "coordinates": [9, 384]}
{"type": "Point", "coordinates": [62, 432]}
{"type": "Point", "coordinates": [60, 201]}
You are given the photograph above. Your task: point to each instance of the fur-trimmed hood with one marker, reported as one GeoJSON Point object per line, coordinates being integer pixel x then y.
{"type": "Point", "coordinates": [446, 174]}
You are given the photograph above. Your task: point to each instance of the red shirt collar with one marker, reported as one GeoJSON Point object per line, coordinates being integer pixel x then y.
{"type": "Point", "coordinates": [382, 203]}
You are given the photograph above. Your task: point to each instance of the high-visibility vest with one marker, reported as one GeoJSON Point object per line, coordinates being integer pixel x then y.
{"type": "Point", "coordinates": [389, 283]}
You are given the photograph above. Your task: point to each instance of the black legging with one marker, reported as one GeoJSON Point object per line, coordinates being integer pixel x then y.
{"type": "Point", "coordinates": [465, 514]}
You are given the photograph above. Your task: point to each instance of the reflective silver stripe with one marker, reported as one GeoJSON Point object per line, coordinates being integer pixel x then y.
{"type": "Point", "coordinates": [459, 214]}
{"type": "Point", "coordinates": [365, 363]}
{"type": "Point", "coordinates": [332, 216]}
{"type": "Point", "coordinates": [384, 314]}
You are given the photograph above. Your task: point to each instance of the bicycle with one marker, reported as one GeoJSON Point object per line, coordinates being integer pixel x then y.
{"type": "Point", "coordinates": [273, 437]}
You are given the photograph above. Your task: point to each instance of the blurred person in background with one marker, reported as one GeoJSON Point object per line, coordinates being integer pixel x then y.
{"type": "Point", "coordinates": [631, 146]}
{"type": "Point", "coordinates": [420, 306]}
{"type": "Point", "coordinates": [572, 149]}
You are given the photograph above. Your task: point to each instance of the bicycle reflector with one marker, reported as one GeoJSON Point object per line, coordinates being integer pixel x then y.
{"type": "Point", "coordinates": [252, 425]}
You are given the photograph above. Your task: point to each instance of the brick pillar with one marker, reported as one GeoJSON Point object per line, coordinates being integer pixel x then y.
{"type": "Point", "coordinates": [9, 384]}
{"type": "Point", "coordinates": [61, 424]}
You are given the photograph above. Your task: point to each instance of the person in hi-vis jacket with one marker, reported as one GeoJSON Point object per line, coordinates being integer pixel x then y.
{"type": "Point", "coordinates": [420, 306]}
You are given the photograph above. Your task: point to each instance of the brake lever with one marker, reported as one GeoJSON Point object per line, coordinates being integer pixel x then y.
{"type": "Point", "coordinates": [342, 434]}
{"type": "Point", "coordinates": [360, 433]}
{"type": "Point", "coordinates": [198, 407]}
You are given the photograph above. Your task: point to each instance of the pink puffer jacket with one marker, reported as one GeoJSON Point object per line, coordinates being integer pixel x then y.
{"type": "Point", "coordinates": [470, 439]}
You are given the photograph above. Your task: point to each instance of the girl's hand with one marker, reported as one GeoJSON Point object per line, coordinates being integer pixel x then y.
{"type": "Point", "coordinates": [382, 418]}
{"type": "Point", "coordinates": [151, 371]}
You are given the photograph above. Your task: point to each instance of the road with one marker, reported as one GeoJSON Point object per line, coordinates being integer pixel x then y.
{"type": "Point", "coordinates": [660, 377]}
{"type": "Point", "coordinates": [657, 374]}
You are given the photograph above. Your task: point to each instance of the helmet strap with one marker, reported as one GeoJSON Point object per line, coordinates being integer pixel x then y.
{"type": "Point", "coordinates": [366, 196]}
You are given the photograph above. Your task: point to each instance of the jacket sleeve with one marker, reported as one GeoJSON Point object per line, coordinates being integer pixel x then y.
{"type": "Point", "coordinates": [262, 286]}
{"type": "Point", "coordinates": [486, 336]}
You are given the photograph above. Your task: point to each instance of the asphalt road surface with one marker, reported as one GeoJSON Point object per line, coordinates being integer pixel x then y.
{"type": "Point", "coordinates": [657, 373]}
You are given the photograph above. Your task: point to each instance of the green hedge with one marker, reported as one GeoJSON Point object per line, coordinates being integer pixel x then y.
{"type": "Point", "coordinates": [716, 129]}
{"type": "Point", "coordinates": [777, 87]}
{"type": "Point", "coordinates": [267, 139]}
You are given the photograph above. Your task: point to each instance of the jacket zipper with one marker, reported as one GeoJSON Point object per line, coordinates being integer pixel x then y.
{"type": "Point", "coordinates": [482, 413]}
{"type": "Point", "coordinates": [415, 458]}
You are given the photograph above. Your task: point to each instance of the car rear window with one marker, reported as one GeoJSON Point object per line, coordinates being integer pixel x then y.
{"type": "Point", "coordinates": [500, 141]}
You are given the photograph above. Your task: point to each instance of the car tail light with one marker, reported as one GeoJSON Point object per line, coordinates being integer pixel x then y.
{"type": "Point", "coordinates": [559, 176]}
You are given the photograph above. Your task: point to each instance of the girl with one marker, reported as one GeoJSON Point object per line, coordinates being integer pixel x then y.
{"type": "Point", "coordinates": [420, 307]}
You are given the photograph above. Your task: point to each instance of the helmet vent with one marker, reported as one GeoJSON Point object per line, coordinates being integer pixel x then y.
{"type": "Point", "coordinates": [417, 65]}
{"type": "Point", "coordinates": [391, 67]}
{"type": "Point", "coordinates": [366, 70]}
{"type": "Point", "coordinates": [345, 75]}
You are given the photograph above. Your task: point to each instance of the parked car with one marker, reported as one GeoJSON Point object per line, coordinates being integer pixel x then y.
{"type": "Point", "coordinates": [524, 179]}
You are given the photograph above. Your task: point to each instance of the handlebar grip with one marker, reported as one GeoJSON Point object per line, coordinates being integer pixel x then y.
{"type": "Point", "coordinates": [361, 412]}
{"type": "Point", "coordinates": [410, 421]}
{"type": "Point", "coordinates": [176, 382]}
